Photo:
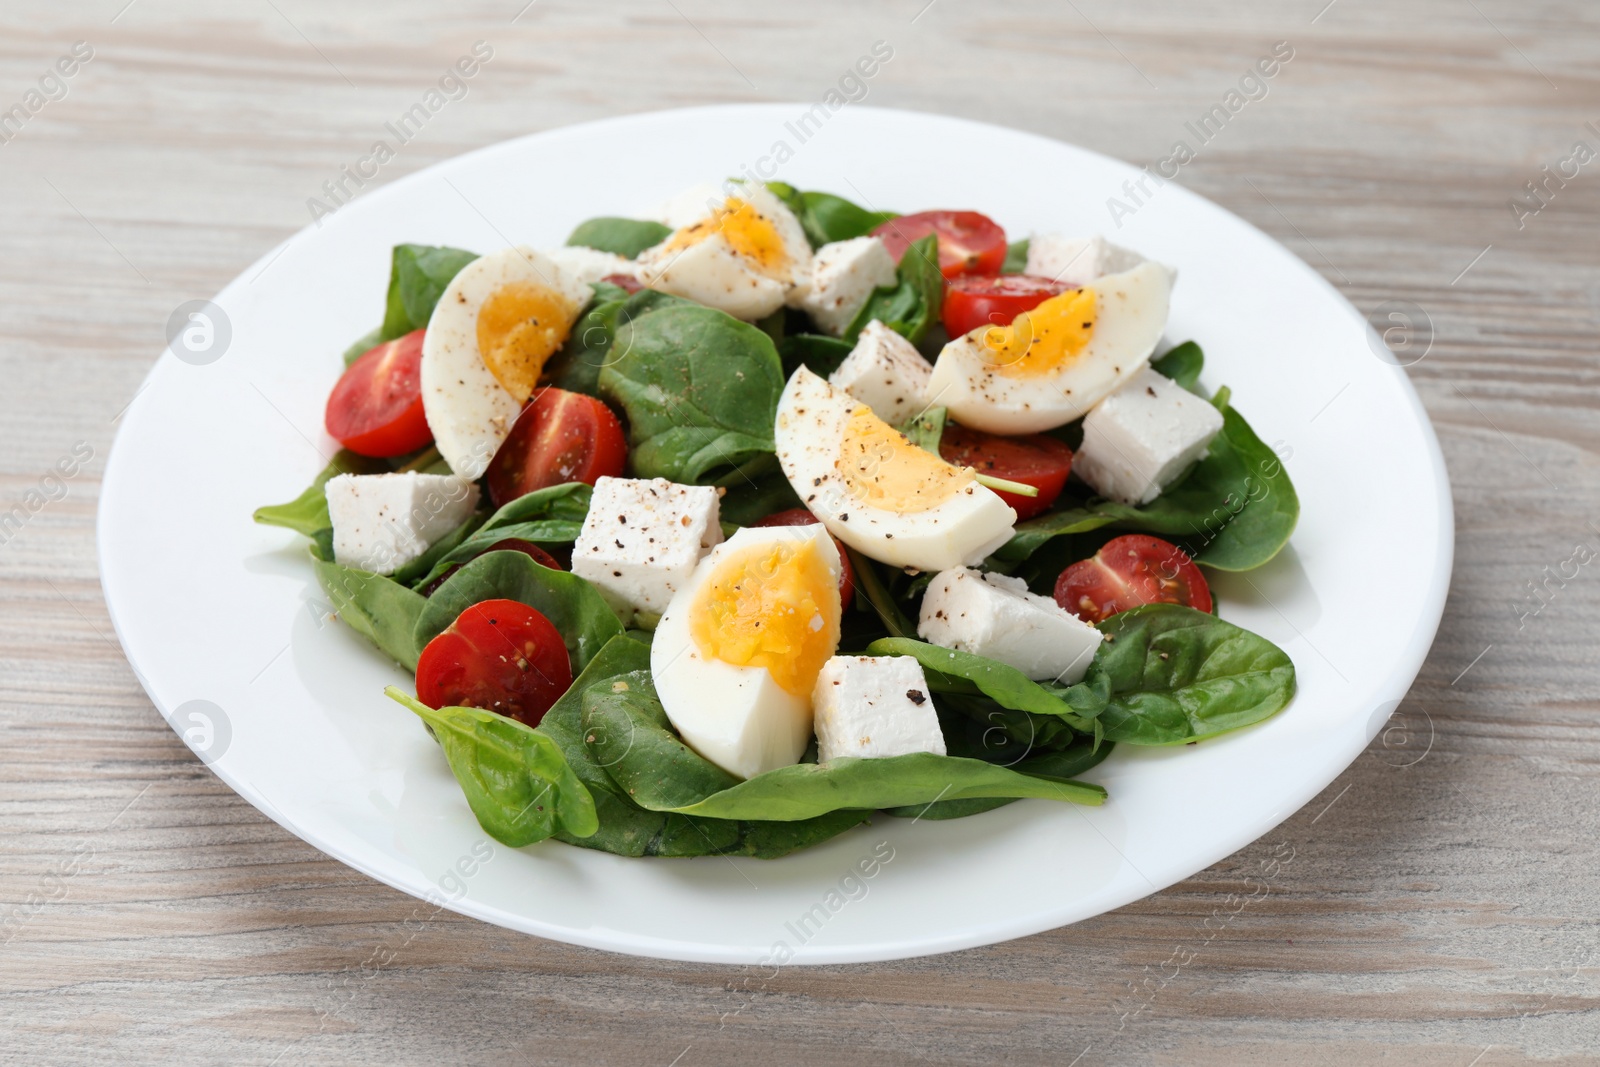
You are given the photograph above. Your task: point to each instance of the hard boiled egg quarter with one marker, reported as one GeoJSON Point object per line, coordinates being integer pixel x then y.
{"type": "Point", "coordinates": [875, 490]}
{"type": "Point", "coordinates": [1054, 363]}
{"type": "Point", "coordinates": [495, 324]}
{"type": "Point", "coordinates": [737, 653]}
{"type": "Point", "coordinates": [745, 254]}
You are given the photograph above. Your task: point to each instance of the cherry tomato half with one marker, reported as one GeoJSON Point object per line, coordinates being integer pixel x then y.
{"type": "Point", "coordinates": [1036, 460]}
{"type": "Point", "coordinates": [507, 544]}
{"type": "Point", "coordinates": [969, 243]}
{"type": "Point", "coordinates": [974, 300]}
{"type": "Point", "coordinates": [802, 517]}
{"type": "Point", "coordinates": [624, 281]}
{"type": "Point", "coordinates": [376, 407]}
{"type": "Point", "coordinates": [499, 655]}
{"type": "Point", "coordinates": [559, 437]}
{"type": "Point", "coordinates": [1128, 571]}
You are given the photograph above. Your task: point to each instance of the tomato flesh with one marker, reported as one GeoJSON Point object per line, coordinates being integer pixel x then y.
{"type": "Point", "coordinates": [559, 437]}
{"type": "Point", "coordinates": [375, 409]}
{"type": "Point", "coordinates": [507, 544]}
{"type": "Point", "coordinates": [969, 242]}
{"type": "Point", "coordinates": [802, 517]}
{"type": "Point", "coordinates": [499, 655]}
{"type": "Point", "coordinates": [624, 281]}
{"type": "Point", "coordinates": [1036, 460]}
{"type": "Point", "coordinates": [974, 300]}
{"type": "Point", "coordinates": [1128, 571]}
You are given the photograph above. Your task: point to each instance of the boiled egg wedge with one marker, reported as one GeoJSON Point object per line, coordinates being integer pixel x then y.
{"type": "Point", "coordinates": [745, 254]}
{"type": "Point", "coordinates": [495, 324]}
{"type": "Point", "coordinates": [1054, 363]}
{"type": "Point", "coordinates": [737, 653]}
{"type": "Point", "coordinates": [875, 490]}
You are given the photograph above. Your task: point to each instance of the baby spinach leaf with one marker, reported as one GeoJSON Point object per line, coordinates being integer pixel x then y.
{"type": "Point", "coordinates": [1234, 511]}
{"type": "Point", "coordinates": [425, 564]}
{"type": "Point", "coordinates": [572, 604]}
{"type": "Point", "coordinates": [417, 278]}
{"type": "Point", "coordinates": [1077, 756]}
{"type": "Point", "coordinates": [951, 671]}
{"type": "Point", "coordinates": [700, 389]}
{"type": "Point", "coordinates": [363, 344]}
{"type": "Point", "coordinates": [870, 584]}
{"type": "Point", "coordinates": [549, 516]}
{"type": "Point", "coordinates": [926, 429]}
{"type": "Point", "coordinates": [827, 218]}
{"type": "Point", "coordinates": [1183, 365]}
{"type": "Point", "coordinates": [621, 237]}
{"type": "Point", "coordinates": [576, 366]}
{"type": "Point", "coordinates": [1177, 675]}
{"type": "Point", "coordinates": [307, 513]}
{"type": "Point", "coordinates": [913, 303]}
{"type": "Point", "coordinates": [818, 352]}
{"type": "Point", "coordinates": [1016, 257]}
{"type": "Point", "coordinates": [1033, 533]}
{"type": "Point", "coordinates": [516, 780]}
{"type": "Point", "coordinates": [628, 734]}
{"type": "Point", "coordinates": [764, 495]}
{"type": "Point", "coordinates": [379, 608]}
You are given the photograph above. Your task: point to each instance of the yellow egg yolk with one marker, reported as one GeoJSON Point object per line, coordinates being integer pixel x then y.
{"type": "Point", "coordinates": [519, 327]}
{"type": "Point", "coordinates": [1045, 340]}
{"type": "Point", "coordinates": [774, 606]}
{"type": "Point", "coordinates": [882, 468]}
{"type": "Point", "coordinates": [750, 233]}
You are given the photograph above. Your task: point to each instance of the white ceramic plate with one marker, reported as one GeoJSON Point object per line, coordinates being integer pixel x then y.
{"type": "Point", "coordinates": [212, 608]}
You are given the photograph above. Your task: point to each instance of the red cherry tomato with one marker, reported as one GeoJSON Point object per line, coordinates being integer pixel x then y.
{"type": "Point", "coordinates": [1036, 460]}
{"type": "Point", "coordinates": [802, 517]}
{"type": "Point", "coordinates": [376, 407]}
{"type": "Point", "coordinates": [974, 300]}
{"type": "Point", "coordinates": [624, 281]}
{"type": "Point", "coordinates": [559, 437]}
{"type": "Point", "coordinates": [1128, 571]}
{"type": "Point", "coordinates": [969, 243]}
{"type": "Point", "coordinates": [507, 544]}
{"type": "Point", "coordinates": [499, 655]}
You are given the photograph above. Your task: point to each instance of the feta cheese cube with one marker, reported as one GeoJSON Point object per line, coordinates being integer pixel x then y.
{"type": "Point", "coordinates": [885, 372]}
{"type": "Point", "coordinates": [642, 538]}
{"type": "Point", "coordinates": [1143, 437]}
{"type": "Point", "coordinates": [381, 522]}
{"type": "Point", "coordinates": [872, 707]}
{"type": "Point", "coordinates": [994, 616]}
{"type": "Point", "coordinates": [589, 265]}
{"type": "Point", "coordinates": [843, 276]}
{"type": "Point", "coordinates": [1077, 260]}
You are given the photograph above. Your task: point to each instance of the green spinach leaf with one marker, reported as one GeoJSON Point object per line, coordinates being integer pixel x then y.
{"type": "Point", "coordinates": [951, 671]}
{"type": "Point", "coordinates": [621, 237]}
{"type": "Point", "coordinates": [549, 516]}
{"type": "Point", "coordinates": [827, 218]}
{"type": "Point", "coordinates": [417, 278]}
{"type": "Point", "coordinates": [516, 780]}
{"type": "Point", "coordinates": [913, 304]}
{"type": "Point", "coordinates": [307, 513]}
{"type": "Point", "coordinates": [818, 352]}
{"type": "Point", "coordinates": [1177, 675]}
{"type": "Point", "coordinates": [700, 389]}
{"type": "Point", "coordinates": [576, 366]}
{"type": "Point", "coordinates": [1183, 365]}
{"type": "Point", "coordinates": [377, 607]}
{"type": "Point", "coordinates": [926, 430]}
{"type": "Point", "coordinates": [753, 501]}
{"type": "Point", "coordinates": [1016, 257]}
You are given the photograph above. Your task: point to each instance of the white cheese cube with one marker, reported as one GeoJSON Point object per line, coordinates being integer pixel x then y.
{"type": "Point", "coordinates": [1143, 437]}
{"type": "Point", "coordinates": [589, 265]}
{"type": "Point", "coordinates": [381, 522]}
{"type": "Point", "coordinates": [885, 372]}
{"type": "Point", "coordinates": [994, 616]}
{"type": "Point", "coordinates": [1077, 261]}
{"type": "Point", "coordinates": [843, 276]}
{"type": "Point", "coordinates": [873, 707]}
{"type": "Point", "coordinates": [711, 272]}
{"type": "Point", "coordinates": [642, 538]}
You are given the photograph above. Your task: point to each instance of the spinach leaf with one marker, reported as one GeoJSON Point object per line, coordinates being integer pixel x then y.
{"type": "Point", "coordinates": [1234, 511]}
{"type": "Point", "coordinates": [819, 352]}
{"type": "Point", "coordinates": [951, 671]}
{"type": "Point", "coordinates": [759, 498]}
{"type": "Point", "coordinates": [572, 604]}
{"type": "Point", "coordinates": [700, 389]}
{"type": "Point", "coordinates": [417, 278]}
{"type": "Point", "coordinates": [576, 366]}
{"type": "Point", "coordinates": [869, 583]}
{"type": "Point", "coordinates": [307, 513]}
{"type": "Point", "coordinates": [363, 344]}
{"type": "Point", "coordinates": [1033, 533]}
{"type": "Point", "coordinates": [628, 734]}
{"type": "Point", "coordinates": [964, 737]}
{"type": "Point", "coordinates": [911, 305]}
{"type": "Point", "coordinates": [379, 608]}
{"type": "Point", "coordinates": [827, 218]}
{"type": "Point", "coordinates": [627, 829]}
{"type": "Point", "coordinates": [426, 563]}
{"type": "Point", "coordinates": [926, 429]}
{"type": "Point", "coordinates": [1177, 675]}
{"type": "Point", "coordinates": [622, 237]}
{"type": "Point", "coordinates": [549, 516]}
{"type": "Point", "coordinates": [516, 780]}
{"type": "Point", "coordinates": [1016, 257]}
{"type": "Point", "coordinates": [1183, 365]}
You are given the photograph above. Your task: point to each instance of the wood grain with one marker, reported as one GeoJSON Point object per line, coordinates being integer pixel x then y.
{"type": "Point", "coordinates": [1438, 913]}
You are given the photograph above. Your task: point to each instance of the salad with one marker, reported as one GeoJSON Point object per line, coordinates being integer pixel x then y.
{"type": "Point", "coordinates": [722, 530]}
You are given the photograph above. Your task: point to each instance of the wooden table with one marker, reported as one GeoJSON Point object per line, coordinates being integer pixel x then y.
{"type": "Point", "coordinates": [1432, 911]}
